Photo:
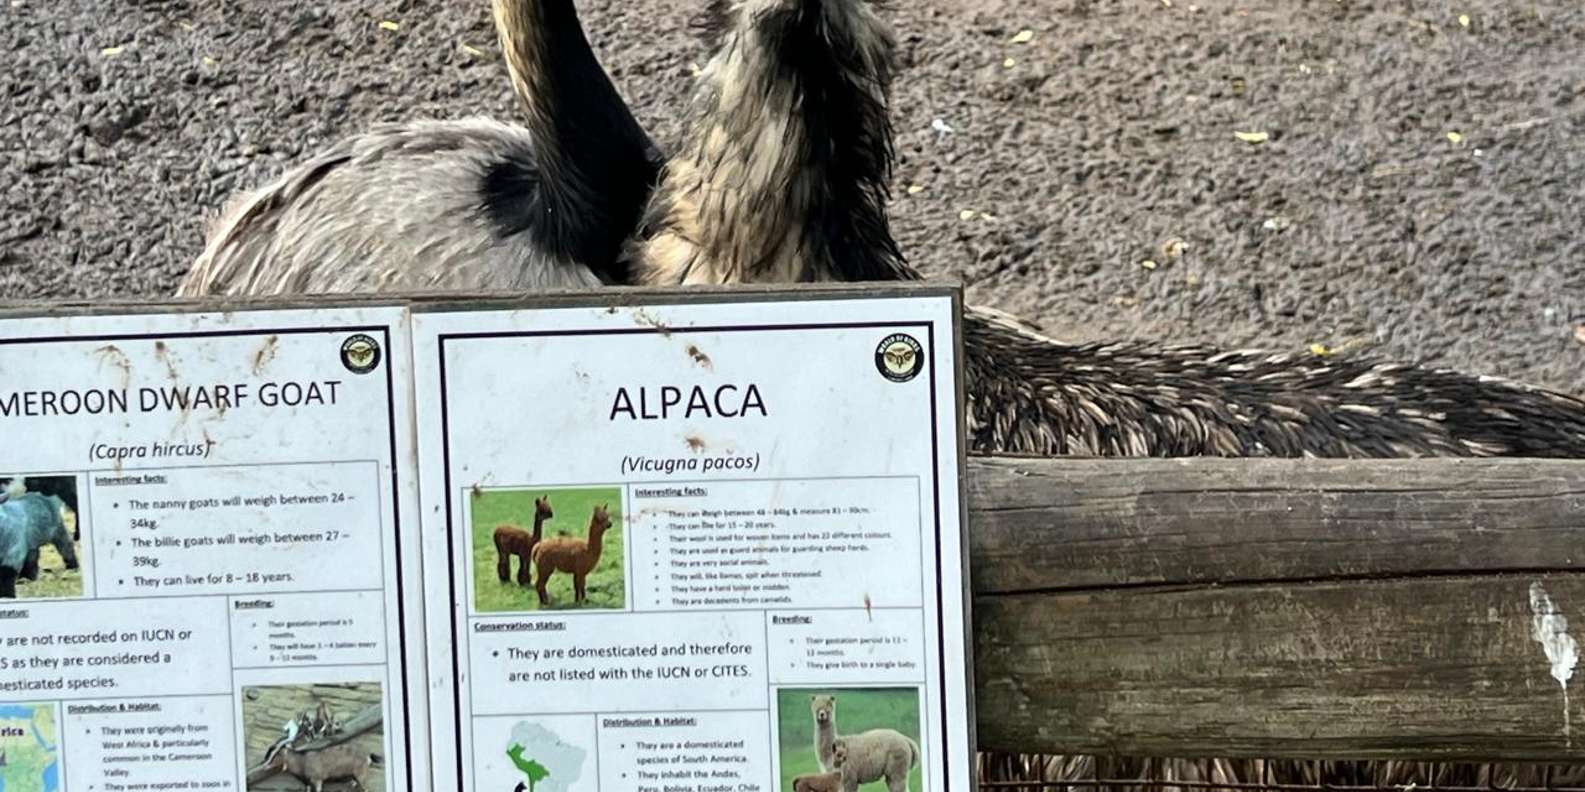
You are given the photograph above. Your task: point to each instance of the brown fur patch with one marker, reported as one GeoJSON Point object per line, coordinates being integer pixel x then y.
{"type": "Point", "coordinates": [572, 555]}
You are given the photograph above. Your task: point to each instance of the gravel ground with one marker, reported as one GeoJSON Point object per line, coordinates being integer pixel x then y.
{"type": "Point", "coordinates": [1091, 180]}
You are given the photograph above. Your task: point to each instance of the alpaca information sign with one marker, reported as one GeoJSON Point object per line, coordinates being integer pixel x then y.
{"type": "Point", "coordinates": [202, 550]}
{"type": "Point", "coordinates": [698, 542]}
{"type": "Point", "coordinates": [707, 546]}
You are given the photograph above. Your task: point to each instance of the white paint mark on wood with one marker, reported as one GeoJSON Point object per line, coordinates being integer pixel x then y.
{"type": "Point", "coordinates": [1549, 627]}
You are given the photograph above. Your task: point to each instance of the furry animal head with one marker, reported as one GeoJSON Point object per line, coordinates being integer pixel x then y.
{"type": "Point", "coordinates": [601, 519]}
{"type": "Point", "coordinates": [787, 165]}
{"type": "Point", "coordinates": [839, 752]}
{"type": "Point", "coordinates": [542, 508]}
{"type": "Point", "coordinates": [824, 708]}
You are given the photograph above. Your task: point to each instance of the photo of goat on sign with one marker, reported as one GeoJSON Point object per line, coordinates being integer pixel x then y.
{"type": "Point", "coordinates": [40, 536]}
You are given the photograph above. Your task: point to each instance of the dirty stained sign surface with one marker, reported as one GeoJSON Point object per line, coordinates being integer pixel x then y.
{"type": "Point", "coordinates": [202, 548]}
{"type": "Point", "coordinates": [707, 545]}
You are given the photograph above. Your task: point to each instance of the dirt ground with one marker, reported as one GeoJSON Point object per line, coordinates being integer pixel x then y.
{"type": "Point", "coordinates": [1073, 157]}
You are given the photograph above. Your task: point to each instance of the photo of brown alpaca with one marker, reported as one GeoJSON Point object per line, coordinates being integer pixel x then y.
{"type": "Point", "coordinates": [511, 540]}
{"type": "Point", "coordinates": [572, 555]}
{"type": "Point", "coordinates": [818, 782]}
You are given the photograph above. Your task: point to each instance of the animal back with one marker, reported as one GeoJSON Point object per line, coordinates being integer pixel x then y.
{"type": "Point", "coordinates": [400, 207]}
{"type": "Point", "coordinates": [561, 553]}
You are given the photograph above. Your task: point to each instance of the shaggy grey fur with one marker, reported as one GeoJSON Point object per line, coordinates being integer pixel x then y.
{"type": "Point", "coordinates": [456, 204]}
{"type": "Point", "coordinates": [395, 208]}
{"type": "Point", "coordinates": [785, 168]}
{"type": "Point", "coordinates": [1033, 395]}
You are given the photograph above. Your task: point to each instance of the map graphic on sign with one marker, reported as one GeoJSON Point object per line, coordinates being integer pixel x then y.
{"type": "Point", "coordinates": [548, 763]}
{"type": "Point", "coordinates": [29, 758]}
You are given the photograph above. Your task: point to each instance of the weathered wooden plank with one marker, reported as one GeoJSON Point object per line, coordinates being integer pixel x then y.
{"type": "Point", "coordinates": [1412, 668]}
{"type": "Point", "coordinates": [1062, 524]}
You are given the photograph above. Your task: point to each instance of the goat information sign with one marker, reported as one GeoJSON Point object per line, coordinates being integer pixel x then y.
{"type": "Point", "coordinates": [690, 542]}
{"type": "Point", "coordinates": [696, 547]}
{"type": "Point", "coordinates": [202, 554]}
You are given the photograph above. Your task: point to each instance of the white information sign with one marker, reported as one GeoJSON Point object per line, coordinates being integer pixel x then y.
{"type": "Point", "coordinates": [215, 516]}
{"type": "Point", "coordinates": [743, 539]}
{"type": "Point", "coordinates": [695, 542]}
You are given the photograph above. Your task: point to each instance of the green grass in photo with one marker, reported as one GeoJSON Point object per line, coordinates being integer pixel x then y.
{"type": "Point", "coordinates": [606, 586]}
{"type": "Point", "coordinates": [857, 710]}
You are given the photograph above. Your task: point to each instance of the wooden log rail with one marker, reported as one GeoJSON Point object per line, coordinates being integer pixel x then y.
{"type": "Point", "coordinates": [1422, 609]}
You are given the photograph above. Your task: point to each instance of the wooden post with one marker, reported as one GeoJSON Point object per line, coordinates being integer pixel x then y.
{"type": "Point", "coordinates": [1280, 608]}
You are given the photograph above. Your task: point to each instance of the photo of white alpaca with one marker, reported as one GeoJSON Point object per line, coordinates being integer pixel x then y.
{"type": "Point", "coordinates": [875, 754]}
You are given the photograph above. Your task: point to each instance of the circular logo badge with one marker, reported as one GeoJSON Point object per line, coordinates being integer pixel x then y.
{"type": "Point", "coordinates": [360, 354]}
{"type": "Point", "coordinates": [899, 357]}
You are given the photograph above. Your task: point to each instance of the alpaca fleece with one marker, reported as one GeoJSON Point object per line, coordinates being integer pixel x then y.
{"type": "Point", "coordinates": [875, 755]}
{"type": "Point", "coordinates": [818, 782]}
{"type": "Point", "coordinates": [574, 556]}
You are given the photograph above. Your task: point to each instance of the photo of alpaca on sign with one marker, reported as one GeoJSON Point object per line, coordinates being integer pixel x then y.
{"type": "Point", "coordinates": [511, 540]}
{"type": "Point", "coordinates": [870, 742]}
{"type": "Point", "coordinates": [40, 538]}
{"type": "Point", "coordinates": [574, 556]}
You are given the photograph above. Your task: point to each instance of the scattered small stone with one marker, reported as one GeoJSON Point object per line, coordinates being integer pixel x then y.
{"type": "Point", "coordinates": [39, 165]}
